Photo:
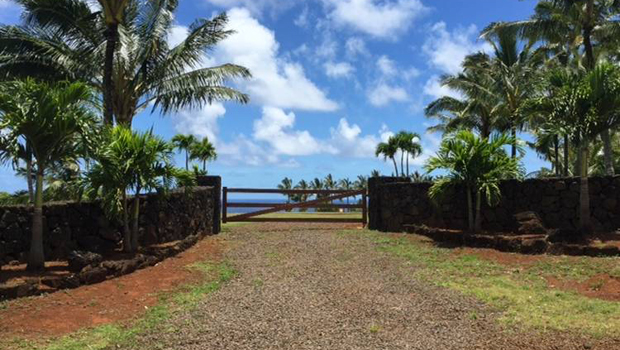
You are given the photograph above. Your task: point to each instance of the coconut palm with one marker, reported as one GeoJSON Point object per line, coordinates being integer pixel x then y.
{"type": "Point", "coordinates": [375, 173]}
{"type": "Point", "coordinates": [477, 164]}
{"type": "Point", "coordinates": [302, 185]}
{"type": "Point", "coordinates": [130, 161]}
{"type": "Point", "coordinates": [147, 72]}
{"type": "Point", "coordinates": [286, 184]}
{"type": "Point", "coordinates": [476, 110]}
{"type": "Point", "coordinates": [50, 120]}
{"type": "Point", "coordinates": [409, 144]}
{"type": "Point", "coordinates": [579, 33]}
{"type": "Point", "coordinates": [184, 143]}
{"type": "Point", "coordinates": [361, 183]}
{"type": "Point", "coordinates": [203, 151]}
{"type": "Point", "coordinates": [512, 67]}
{"type": "Point", "coordinates": [388, 150]}
{"type": "Point", "coordinates": [345, 184]}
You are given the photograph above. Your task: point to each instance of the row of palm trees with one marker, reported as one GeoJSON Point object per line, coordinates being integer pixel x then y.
{"type": "Point", "coordinates": [327, 183]}
{"type": "Point", "coordinates": [73, 77]}
{"type": "Point", "coordinates": [554, 75]}
{"type": "Point", "coordinates": [405, 143]}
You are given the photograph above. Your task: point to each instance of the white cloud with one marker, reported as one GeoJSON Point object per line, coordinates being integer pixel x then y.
{"type": "Point", "coordinates": [276, 128]}
{"type": "Point", "coordinates": [176, 35]}
{"type": "Point", "coordinates": [383, 94]}
{"type": "Point", "coordinates": [201, 123]}
{"type": "Point", "coordinates": [384, 19]}
{"type": "Point", "coordinates": [348, 141]}
{"type": "Point", "coordinates": [276, 81]}
{"type": "Point", "coordinates": [355, 46]}
{"type": "Point", "coordinates": [302, 20]}
{"type": "Point", "coordinates": [434, 88]}
{"type": "Point", "coordinates": [386, 66]}
{"type": "Point", "coordinates": [338, 70]}
{"type": "Point", "coordinates": [446, 50]}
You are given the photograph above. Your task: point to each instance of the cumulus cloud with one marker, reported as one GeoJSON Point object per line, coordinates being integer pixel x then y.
{"type": "Point", "coordinates": [276, 82]}
{"type": "Point", "coordinates": [276, 128]}
{"type": "Point", "coordinates": [202, 123]}
{"type": "Point", "coordinates": [355, 47]}
{"type": "Point", "coordinates": [382, 94]}
{"type": "Point", "coordinates": [380, 19]}
{"type": "Point", "coordinates": [446, 50]}
{"type": "Point", "coordinates": [338, 70]}
{"type": "Point", "coordinates": [386, 66]}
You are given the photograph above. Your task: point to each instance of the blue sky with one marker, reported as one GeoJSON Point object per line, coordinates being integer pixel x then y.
{"type": "Point", "coordinates": [332, 78]}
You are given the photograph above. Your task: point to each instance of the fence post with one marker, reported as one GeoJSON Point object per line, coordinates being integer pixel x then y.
{"type": "Point", "coordinates": [225, 205]}
{"type": "Point", "coordinates": [364, 210]}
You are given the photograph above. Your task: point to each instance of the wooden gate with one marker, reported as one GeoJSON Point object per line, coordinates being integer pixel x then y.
{"type": "Point", "coordinates": [324, 200]}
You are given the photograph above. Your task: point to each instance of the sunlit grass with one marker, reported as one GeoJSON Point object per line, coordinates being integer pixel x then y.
{"type": "Point", "coordinates": [523, 296]}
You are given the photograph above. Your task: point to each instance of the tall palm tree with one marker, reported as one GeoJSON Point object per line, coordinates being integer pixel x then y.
{"type": "Point", "coordinates": [345, 184]}
{"type": "Point", "coordinates": [50, 119]}
{"type": "Point", "coordinates": [410, 146]}
{"type": "Point", "coordinates": [575, 31]}
{"type": "Point", "coordinates": [476, 110]}
{"type": "Point", "coordinates": [511, 67]}
{"type": "Point", "coordinates": [388, 150]}
{"type": "Point", "coordinates": [203, 151]}
{"type": "Point", "coordinates": [302, 185]}
{"type": "Point", "coordinates": [185, 143]}
{"type": "Point", "coordinates": [477, 164]}
{"type": "Point", "coordinates": [148, 72]}
{"type": "Point", "coordinates": [113, 12]}
{"type": "Point", "coordinates": [375, 173]}
{"type": "Point", "coordinates": [361, 183]}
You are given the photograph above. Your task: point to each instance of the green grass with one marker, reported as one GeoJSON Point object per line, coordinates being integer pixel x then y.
{"type": "Point", "coordinates": [111, 335]}
{"type": "Point", "coordinates": [521, 293]}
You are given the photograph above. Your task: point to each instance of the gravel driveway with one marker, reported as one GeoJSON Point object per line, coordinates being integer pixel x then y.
{"type": "Point", "coordinates": [310, 287]}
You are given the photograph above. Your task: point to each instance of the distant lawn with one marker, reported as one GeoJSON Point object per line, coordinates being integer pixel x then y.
{"type": "Point", "coordinates": [520, 292]}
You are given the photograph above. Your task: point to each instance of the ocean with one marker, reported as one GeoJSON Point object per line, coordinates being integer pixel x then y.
{"type": "Point", "coordinates": [270, 201]}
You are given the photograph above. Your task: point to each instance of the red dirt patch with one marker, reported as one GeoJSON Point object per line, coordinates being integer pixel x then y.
{"type": "Point", "coordinates": [509, 259]}
{"type": "Point", "coordinates": [600, 287]}
{"type": "Point", "coordinates": [118, 299]}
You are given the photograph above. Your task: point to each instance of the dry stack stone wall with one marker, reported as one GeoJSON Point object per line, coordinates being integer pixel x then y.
{"type": "Point", "coordinates": [396, 202]}
{"type": "Point", "coordinates": [83, 226]}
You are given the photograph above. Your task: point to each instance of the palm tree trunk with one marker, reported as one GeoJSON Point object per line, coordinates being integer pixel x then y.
{"type": "Point", "coordinates": [135, 218]}
{"type": "Point", "coordinates": [514, 142]}
{"type": "Point", "coordinates": [584, 193]}
{"type": "Point", "coordinates": [407, 164]}
{"type": "Point", "coordinates": [395, 166]}
{"type": "Point", "coordinates": [36, 258]}
{"type": "Point", "coordinates": [556, 145]}
{"type": "Point", "coordinates": [566, 155]}
{"type": "Point", "coordinates": [587, 35]}
{"type": "Point", "coordinates": [578, 165]}
{"type": "Point", "coordinates": [186, 159]}
{"type": "Point", "coordinates": [29, 180]}
{"type": "Point", "coordinates": [478, 219]}
{"type": "Point", "coordinates": [470, 210]}
{"type": "Point", "coordinates": [126, 232]}
{"type": "Point", "coordinates": [108, 70]}
{"type": "Point", "coordinates": [402, 163]}
{"type": "Point", "coordinates": [608, 153]}
{"type": "Point", "coordinates": [204, 165]}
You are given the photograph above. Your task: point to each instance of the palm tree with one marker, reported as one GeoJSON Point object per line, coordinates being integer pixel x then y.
{"type": "Point", "coordinates": [184, 143]}
{"type": "Point", "coordinates": [477, 110]}
{"type": "Point", "coordinates": [375, 173]}
{"type": "Point", "coordinates": [361, 183]}
{"type": "Point", "coordinates": [511, 68]}
{"type": "Point", "coordinates": [286, 184]}
{"type": "Point", "coordinates": [147, 71]}
{"type": "Point", "coordinates": [388, 150]}
{"type": "Point", "coordinates": [477, 164]}
{"type": "Point", "coordinates": [409, 143]}
{"type": "Point", "coordinates": [345, 184]}
{"type": "Point", "coordinates": [50, 119]}
{"type": "Point", "coordinates": [130, 161]}
{"type": "Point", "coordinates": [302, 185]}
{"type": "Point", "coordinates": [578, 33]}
{"type": "Point", "coordinates": [203, 151]}
{"type": "Point", "coordinates": [113, 12]}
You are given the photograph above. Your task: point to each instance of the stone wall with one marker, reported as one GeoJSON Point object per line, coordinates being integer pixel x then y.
{"type": "Point", "coordinates": [71, 226]}
{"type": "Point", "coordinates": [394, 203]}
